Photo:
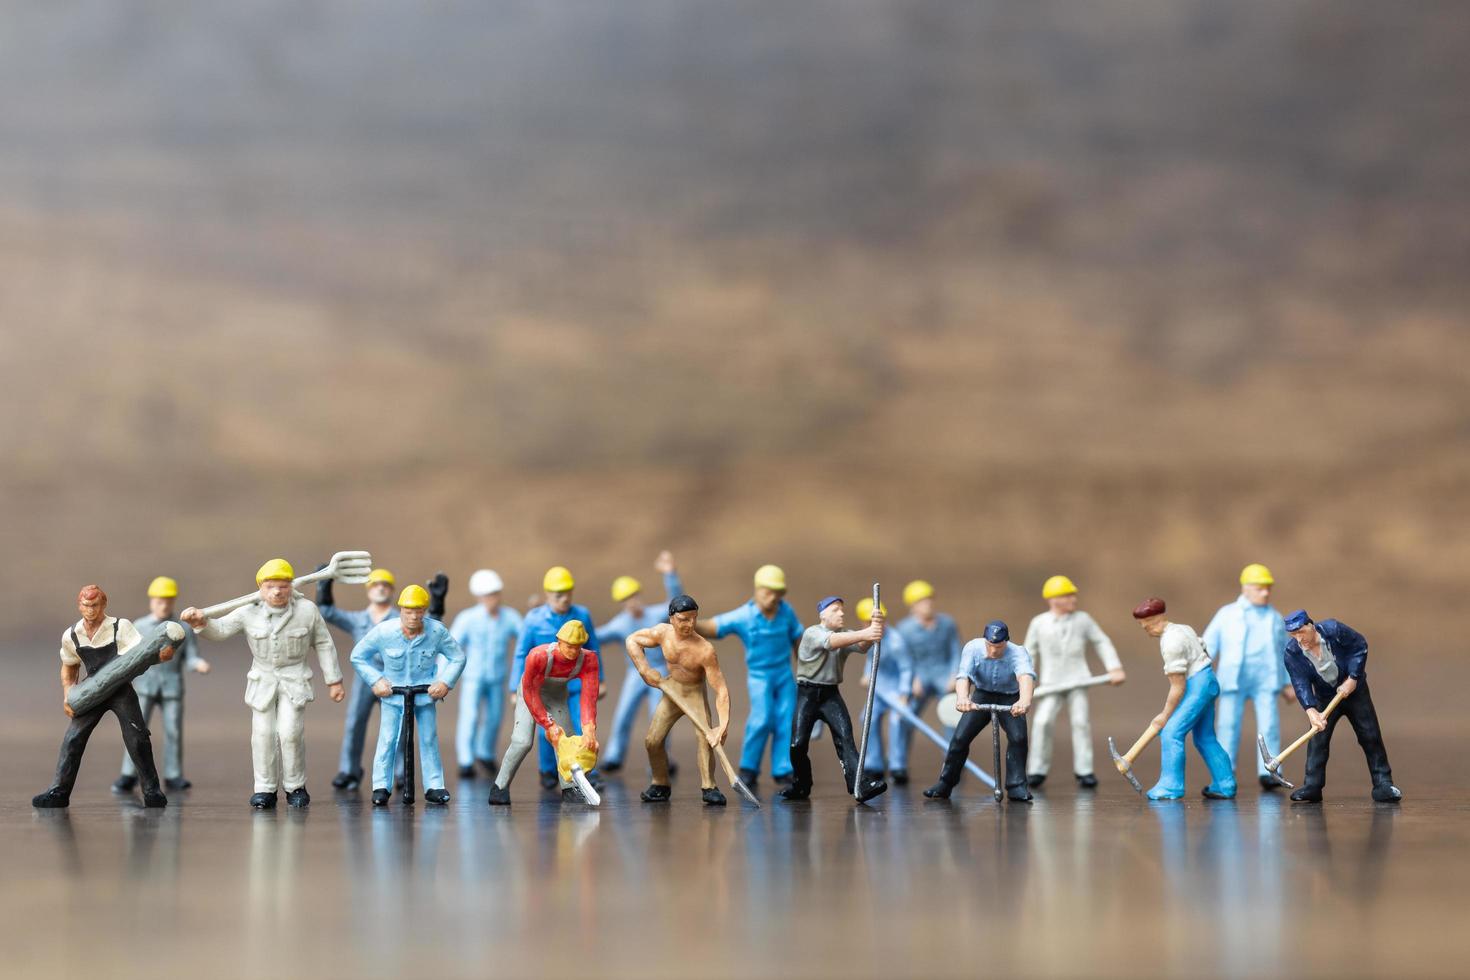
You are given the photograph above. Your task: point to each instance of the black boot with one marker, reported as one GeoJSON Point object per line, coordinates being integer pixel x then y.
{"type": "Point", "coordinates": [51, 799]}
{"type": "Point", "coordinates": [900, 777]}
{"type": "Point", "coordinates": [491, 767]}
{"type": "Point", "coordinates": [125, 784]}
{"type": "Point", "coordinates": [785, 779]}
{"type": "Point", "coordinates": [298, 798]}
{"type": "Point", "coordinates": [176, 785]}
{"type": "Point", "coordinates": [571, 795]}
{"type": "Point", "coordinates": [1035, 779]}
{"type": "Point", "coordinates": [595, 780]}
{"type": "Point", "coordinates": [1307, 794]}
{"type": "Point", "coordinates": [467, 772]}
{"type": "Point", "coordinates": [439, 796]}
{"type": "Point", "coordinates": [549, 780]}
{"type": "Point", "coordinates": [939, 791]}
{"type": "Point", "coordinates": [263, 801]}
{"type": "Point", "coordinates": [154, 798]}
{"type": "Point", "coordinates": [673, 769]}
{"type": "Point", "coordinates": [1019, 793]}
{"type": "Point", "coordinates": [380, 797]}
{"type": "Point", "coordinates": [1088, 781]}
{"type": "Point", "coordinates": [713, 797]}
{"type": "Point", "coordinates": [1387, 793]}
{"type": "Point", "coordinates": [795, 792]}
{"type": "Point", "coordinates": [870, 789]}
{"type": "Point", "coordinates": [1268, 784]}
{"type": "Point", "coordinates": [1210, 794]}
{"type": "Point", "coordinates": [749, 777]}
{"type": "Point", "coordinates": [499, 795]}
{"type": "Point", "coordinates": [347, 780]}
{"type": "Point", "coordinates": [655, 794]}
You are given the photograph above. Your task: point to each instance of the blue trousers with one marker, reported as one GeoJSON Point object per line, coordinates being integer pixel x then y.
{"type": "Point", "coordinates": [1229, 711]}
{"type": "Point", "coordinates": [772, 714]}
{"type": "Point", "coordinates": [1193, 716]}
{"type": "Point", "coordinates": [390, 729]}
{"type": "Point", "coordinates": [901, 732]}
{"type": "Point", "coordinates": [481, 706]}
{"type": "Point", "coordinates": [545, 754]}
{"type": "Point", "coordinates": [360, 702]}
{"type": "Point", "coordinates": [630, 699]}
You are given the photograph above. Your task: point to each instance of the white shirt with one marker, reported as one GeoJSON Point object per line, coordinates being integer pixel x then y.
{"type": "Point", "coordinates": [127, 637]}
{"type": "Point", "coordinates": [279, 642]}
{"type": "Point", "coordinates": [1058, 645]}
{"type": "Point", "coordinates": [1184, 652]}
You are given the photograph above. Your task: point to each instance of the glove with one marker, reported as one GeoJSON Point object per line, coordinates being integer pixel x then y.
{"type": "Point", "coordinates": [324, 589]}
{"type": "Point", "coordinates": [438, 591]}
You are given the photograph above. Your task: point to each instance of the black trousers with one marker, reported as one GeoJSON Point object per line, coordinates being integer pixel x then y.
{"type": "Point", "coordinates": [1358, 709]}
{"type": "Point", "coordinates": [123, 704]}
{"type": "Point", "coordinates": [972, 723]}
{"type": "Point", "coordinates": [822, 701]}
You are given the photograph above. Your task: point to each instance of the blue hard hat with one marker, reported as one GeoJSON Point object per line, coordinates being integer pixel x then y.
{"type": "Point", "coordinates": [997, 631]}
{"type": "Point", "coordinates": [821, 606]}
{"type": "Point", "coordinates": [1297, 620]}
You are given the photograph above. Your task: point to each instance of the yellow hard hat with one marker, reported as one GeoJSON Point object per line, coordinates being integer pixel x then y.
{"type": "Point", "coordinates": [625, 587]}
{"type": "Point", "coordinates": [572, 631]}
{"type": "Point", "coordinates": [864, 609]}
{"type": "Point", "coordinates": [414, 597]}
{"type": "Point", "coordinates": [277, 569]}
{"type": "Point", "coordinates": [770, 577]}
{"type": "Point", "coordinates": [916, 590]}
{"type": "Point", "coordinates": [573, 748]}
{"type": "Point", "coordinates": [1058, 586]}
{"type": "Point", "coordinates": [163, 587]}
{"type": "Point", "coordinates": [381, 575]}
{"type": "Point", "coordinates": [1256, 574]}
{"type": "Point", "coordinates": [557, 579]}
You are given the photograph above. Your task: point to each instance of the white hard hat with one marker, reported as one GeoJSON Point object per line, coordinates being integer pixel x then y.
{"type": "Point", "coordinates": [485, 582]}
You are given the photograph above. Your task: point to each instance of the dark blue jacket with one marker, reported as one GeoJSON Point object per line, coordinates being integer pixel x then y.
{"type": "Point", "coordinates": [1350, 650]}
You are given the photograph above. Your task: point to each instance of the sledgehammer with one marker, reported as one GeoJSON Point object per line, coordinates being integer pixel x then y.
{"type": "Point", "coordinates": [1273, 765]}
{"type": "Point", "coordinates": [1124, 762]}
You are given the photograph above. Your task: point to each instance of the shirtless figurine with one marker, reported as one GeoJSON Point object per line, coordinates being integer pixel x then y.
{"type": "Point", "coordinates": [691, 659]}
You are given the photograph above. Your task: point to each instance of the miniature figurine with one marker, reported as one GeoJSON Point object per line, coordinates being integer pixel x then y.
{"type": "Point", "coordinates": [691, 661]}
{"type": "Point", "coordinates": [895, 687]}
{"type": "Point", "coordinates": [546, 689]}
{"type": "Point", "coordinates": [1245, 641]}
{"type": "Point", "coordinates": [402, 656]}
{"type": "Point", "coordinates": [819, 661]}
{"type": "Point", "coordinates": [770, 630]}
{"type": "Point", "coordinates": [96, 640]}
{"type": "Point", "coordinates": [1189, 707]}
{"type": "Point", "coordinates": [1330, 658]}
{"type": "Point", "coordinates": [933, 642]}
{"type": "Point", "coordinates": [162, 686]}
{"type": "Point", "coordinates": [635, 616]}
{"type": "Point", "coordinates": [279, 628]}
{"type": "Point", "coordinates": [540, 626]}
{"type": "Point", "coordinates": [993, 671]}
{"type": "Point", "coordinates": [1057, 641]}
{"type": "Point", "coordinates": [487, 632]}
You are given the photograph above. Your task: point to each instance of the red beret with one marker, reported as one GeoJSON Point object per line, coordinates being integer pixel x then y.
{"type": "Point", "coordinates": [1152, 606]}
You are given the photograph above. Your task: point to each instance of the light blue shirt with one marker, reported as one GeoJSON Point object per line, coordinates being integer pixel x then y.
{"type": "Point", "coordinates": [767, 642]}
{"type": "Point", "coordinates": [431, 656]}
{"type": "Point", "coordinates": [354, 624]}
{"type": "Point", "coordinates": [934, 650]}
{"type": "Point", "coordinates": [1250, 644]}
{"type": "Point", "coordinates": [485, 638]}
{"type": "Point", "coordinates": [895, 669]}
{"type": "Point", "coordinates": [998, 675]}
{"type": "Point", "coordinates": [539, 626]}
{"type": "Point", "coordinates": [624, 624]}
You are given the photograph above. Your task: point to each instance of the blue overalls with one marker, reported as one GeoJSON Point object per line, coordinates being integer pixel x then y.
{"type": "Point", "coordinates": [770, 680]}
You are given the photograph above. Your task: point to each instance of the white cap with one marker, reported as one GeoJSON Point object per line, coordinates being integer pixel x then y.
{"type": "Point", "coordinates": [485, 582]}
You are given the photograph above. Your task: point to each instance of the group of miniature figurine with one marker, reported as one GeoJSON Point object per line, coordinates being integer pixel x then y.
{"type": "Point", "coordinates": [405, 659]}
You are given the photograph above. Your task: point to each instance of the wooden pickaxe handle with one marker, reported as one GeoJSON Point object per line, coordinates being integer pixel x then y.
{"type": "Point", "coordinates": [703, 729]}
{"type": "Point", "coordinates": [1307, 736]}
{"type": "Point", "coordinates": [1149, 734]}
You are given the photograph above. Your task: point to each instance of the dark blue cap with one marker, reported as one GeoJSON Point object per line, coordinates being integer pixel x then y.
{"type": "Point", "coordinates": [997, 631]}
{"type": "Point", "coordinates": [1297, 620]}
{"type": "Point", "coordinates": [822, 606]}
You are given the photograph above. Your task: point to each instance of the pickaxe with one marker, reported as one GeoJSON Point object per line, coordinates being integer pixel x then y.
{"type": "Point", "coordinates": [703, 729]}
{"type": "Point", "coordinates": [1124, 762]}
{"type": "Point", "coordinates": [1273, 765]}
{"type": "Point", "coordinates": [348, 567]}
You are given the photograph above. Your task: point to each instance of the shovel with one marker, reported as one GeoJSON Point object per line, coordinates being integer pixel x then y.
{"type": "Point", "coordinates": [703, 729]}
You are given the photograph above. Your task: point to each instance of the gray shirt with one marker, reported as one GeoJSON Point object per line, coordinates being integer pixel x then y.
{"type": "Point", "coordinates": [166, 679]}
{"type": "Point", "coordinates": [998, 674]}
{"type": "Point", "coordinates": [1322, 660]}
{"type": "Point", "coordinates": [816, 663]}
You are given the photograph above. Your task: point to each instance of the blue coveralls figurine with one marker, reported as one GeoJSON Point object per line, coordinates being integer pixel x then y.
{"type": "Point", "coordinates": [1245, 641]}
{"type": "Point", "coordinates": [487, 632]}
{"type": "Point", "coordinates": [1326, 659]}
{"type": "Point", "coordinates": [360, 699]}
{"type": "Point", "coordinates": [540, 627]}
{"type": "Point", "coordinates": [1189, 707]}
{"type": "Point", "coordinates": [933, 640]}
{"type": "Point", "coordinates": [895, 682]}
{"type": "Point", "coordinates": [414, 652]}
{"type": "Point", "coordinates": [770, 630]}
{"type": "Point", "coordinates": [635, 616]}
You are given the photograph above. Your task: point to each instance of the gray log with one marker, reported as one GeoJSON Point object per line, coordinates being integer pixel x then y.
{"type": "Point", "coordinates": [94, 692]}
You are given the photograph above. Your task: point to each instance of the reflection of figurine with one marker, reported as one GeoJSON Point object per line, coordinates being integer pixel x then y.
{"type": "Point", "coordinates": [691, 660]}
{"type": "Point", "coordinates": [546, 690]}
{"type": "Point", "coordinates": [410, 653]}
{"type": "Point", "coordinates": [635, 616]}
{"type": "Point", "coordinates": [1189, 707]}
{"type": "Point", "coordinates": [280, 627]}
{"type": "Point", "coordinates": [162, 686]}
{"type": "Point", "coordinates": [824, 649]}
{"type": "Point", "coordinates": [895, 686]}
{"type": "Point", "coordinates": [993, 671]}
{"type": "Point", "coordinates": [1325, 659]}
{"type": "Point", "coordinates": [933, 641]}
{"type": "Point", "coordinates": [360, 701]}
{"type": "Point", "coordinates": [1246, 639]}
{"type": "Point", "coordinates": [1057, 641]}
{"type": "Point", "coordinates": [486, 632]}
{"type": "Point", "coordinates": [768, 627]}
{"type": "Point", "coordinates": [96, 640]}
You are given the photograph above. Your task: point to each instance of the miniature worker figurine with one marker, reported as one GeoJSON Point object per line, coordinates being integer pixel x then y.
{"type": "Point", "coordinates": [413, 651]}
{"type": "Point", "coordinates": [540, 626]}
{"type": "Point", "coordinates": [1325, 659]}
{"type": "Point", "coordinates": [1057, 641]}
{"type": "Point", "coordinates": [635, 616]}
{"type": "Point", "coordinates": [96, 639]}
{"type": "Point", "coordinates": [819, 660]}
{"type": "Point", "coordinates": [933, 641]}
{"type": "Point", "coordinates": [895, 682]}
{"type": "Point", "coordinates": [487, 632]}
{"type": "Point", "coordinates": [279, 628]}
{"type": "Point", "coordinates": [546, 691]}
{"type": "Point", "coordinates": [1189, 707]}
{"type": "Point", "coordinates": [1246, 640]}
{"type": "Point", "coordinates": [162, 686]}
{"type": "Point", "coordinates": [691, 660]}
{"type": "Point", "coordinates": [360, 701]}
{"type": "Point", "coordinates": [993, 670]}
{"type": "Point", "coordinates": [770, 630]}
